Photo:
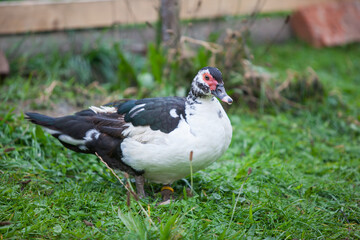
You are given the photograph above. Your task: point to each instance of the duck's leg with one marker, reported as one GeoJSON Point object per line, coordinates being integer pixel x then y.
{"type": "Point", "coordinates": [166, 192]}
{"type": "Point", "coordinates": [140, 182]}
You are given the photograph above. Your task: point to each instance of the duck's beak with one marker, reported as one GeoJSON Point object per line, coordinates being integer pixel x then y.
{"type": "Point", "coordinates": [220, 93]}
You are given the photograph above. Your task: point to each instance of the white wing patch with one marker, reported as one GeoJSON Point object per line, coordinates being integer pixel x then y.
{"type": "Point", "coordinates": [135, 110]}
{"type": "Point", "coordinates": [144, 134]}
{"type": "Point", "coordinates": [90, 135]}
{"type": "Point", "coordinates": [173, 113]}
{"type": "Point", "coordinates": [71, 140]}
{"type": "Point", "coordinates": [136, 107]}
{"type": "Point", "coordinates": [103, 109]}
{"type": "Point", "coordinates": [51, 131]}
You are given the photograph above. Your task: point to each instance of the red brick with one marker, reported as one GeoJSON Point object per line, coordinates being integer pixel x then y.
{"type": "Point", "coordinates": [328, 24]}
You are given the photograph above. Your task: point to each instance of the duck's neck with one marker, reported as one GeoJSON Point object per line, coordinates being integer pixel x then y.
{"type": "Point", "coordinates": [197, 95]}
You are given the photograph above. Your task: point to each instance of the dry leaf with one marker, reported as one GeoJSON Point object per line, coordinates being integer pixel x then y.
{"type": "Point", "coordinates": [87, 223]}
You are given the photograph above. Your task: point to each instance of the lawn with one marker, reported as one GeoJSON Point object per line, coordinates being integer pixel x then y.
{"type": "Point", "coordinates": [287, 174]}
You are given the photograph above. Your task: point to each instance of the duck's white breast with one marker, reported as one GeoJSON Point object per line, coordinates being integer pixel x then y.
{"type": "Point", "coordinates": [165, 157]}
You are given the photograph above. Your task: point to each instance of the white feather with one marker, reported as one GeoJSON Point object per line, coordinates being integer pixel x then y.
{"type": "Point", "coordinates": [136, 107]}
{"type": "Point", "coordinates": [173, 113]}
{"type": "Point", "coordinates": [133, 114]}
{"type": "Point", "coordinates": [51, 131]}
{"type": "Point", "coordinates": [103, 109]}
{"type": "Point", "coordinates": [91, 135]}
{"type": "Point", "coordinates": [71, 140]}
{"type": "Point", "coordinates": [83, 147]}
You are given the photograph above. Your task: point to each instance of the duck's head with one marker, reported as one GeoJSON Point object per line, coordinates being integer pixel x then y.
{"type": "Point", "coordinates": [207, 82]}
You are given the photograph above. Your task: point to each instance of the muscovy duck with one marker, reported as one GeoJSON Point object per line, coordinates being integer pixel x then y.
{"type": "Point", "coordinates": [152, 138]}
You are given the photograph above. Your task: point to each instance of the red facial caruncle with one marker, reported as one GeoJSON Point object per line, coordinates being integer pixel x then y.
{"type": "Point", "coordinates": [210, 81]}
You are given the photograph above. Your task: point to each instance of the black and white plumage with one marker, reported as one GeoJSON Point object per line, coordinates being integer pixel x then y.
{"type": "Point", "coordinates": [152, 137]}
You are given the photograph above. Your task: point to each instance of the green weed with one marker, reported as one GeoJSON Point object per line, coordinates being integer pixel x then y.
{"type": "Point", "coordinates": [305, 179]}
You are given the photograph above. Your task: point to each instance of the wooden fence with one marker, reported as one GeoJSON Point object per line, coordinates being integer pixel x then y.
{"type": "Point", "coordinates": [40, 16]}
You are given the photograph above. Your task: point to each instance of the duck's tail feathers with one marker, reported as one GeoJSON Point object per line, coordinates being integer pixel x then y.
{"type": "Point", "coordinates": [72, 131]}
{"type": "Point", "coordinates": [40, 119]}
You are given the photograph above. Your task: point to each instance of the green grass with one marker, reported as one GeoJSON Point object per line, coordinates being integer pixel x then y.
{"type": "Point", "coordinates": [304, 183]}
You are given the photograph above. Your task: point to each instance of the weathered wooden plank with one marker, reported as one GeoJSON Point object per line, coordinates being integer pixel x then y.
{"type": "Point", "coordinates": [16, 17]}
{"type": "Point", "coordinates": [35, 16]}
{"type": "Point", "coordinates": [136, 11]}
{"type": "Point", "coordinates": [216, 8]}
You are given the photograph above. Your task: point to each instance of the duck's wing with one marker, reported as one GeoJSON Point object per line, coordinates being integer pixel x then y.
{"type": "Point", "coordinates": [162, 114]}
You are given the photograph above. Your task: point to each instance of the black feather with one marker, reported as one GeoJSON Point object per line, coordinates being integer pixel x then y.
{"type": "Point", "coordinates": [40, 119]}
{"type": "Point", "coordinates": [126, 107]}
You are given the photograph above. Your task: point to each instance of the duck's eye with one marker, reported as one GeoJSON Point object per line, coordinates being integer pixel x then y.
{"type": "Point", "coordinates": [207, 77]}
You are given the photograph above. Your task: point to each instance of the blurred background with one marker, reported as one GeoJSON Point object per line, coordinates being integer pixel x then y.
{"type": "Point", "coordinates": [292, 67]}
{"type": "Point", "coordinates": [120, 49]}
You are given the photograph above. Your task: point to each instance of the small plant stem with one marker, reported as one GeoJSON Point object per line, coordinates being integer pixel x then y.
{"type": "Point", "coordinates": [129, 189]}
{"type": "Point", "coordinates": [238, 196]}
{"type": "Point", "coordinates": [191, 172]}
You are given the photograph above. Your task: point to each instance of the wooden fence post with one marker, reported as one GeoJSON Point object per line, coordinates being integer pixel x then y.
{"type": "Point", "coordinates": [170, 20]}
